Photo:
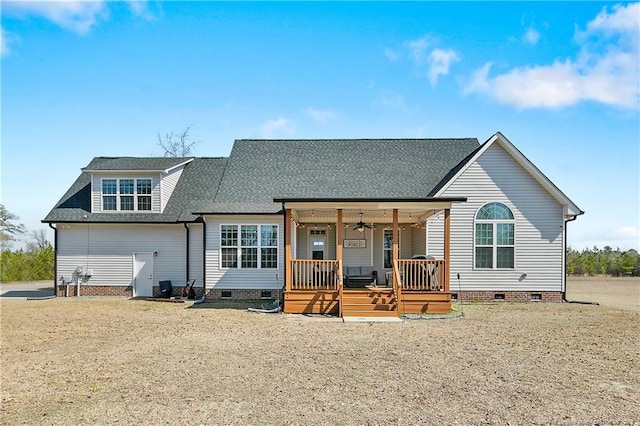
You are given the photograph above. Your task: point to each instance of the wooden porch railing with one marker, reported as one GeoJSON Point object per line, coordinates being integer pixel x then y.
{"type": "Point", "coordinates": [397, 285]}
{"type": "Point", "coordinates": [421, 274]}
{"type": "Point", "coordinates": [307, 274]}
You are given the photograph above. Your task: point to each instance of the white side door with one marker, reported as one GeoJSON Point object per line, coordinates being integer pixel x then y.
{"type": "Point", "coordinates": [142, 274]}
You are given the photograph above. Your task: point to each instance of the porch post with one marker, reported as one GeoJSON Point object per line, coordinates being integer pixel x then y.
{"type": "Point", "coordinates": [339, 233]}
{"type": "Point", "coordinates": [396, 236]}
{"type": "Point", "coordinates": [447, 248]}
{"type": "Point", "coordinates": [287, 250]}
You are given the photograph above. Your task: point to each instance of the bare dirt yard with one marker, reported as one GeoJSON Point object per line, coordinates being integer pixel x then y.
{"type": "Point", "coordinates": [98, 361]}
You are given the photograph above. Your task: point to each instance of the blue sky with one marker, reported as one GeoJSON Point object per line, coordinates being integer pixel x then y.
{"type": "Point", "coordinates": [560, 80]}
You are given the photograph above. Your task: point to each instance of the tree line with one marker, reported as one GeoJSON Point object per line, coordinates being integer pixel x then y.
{"type": "Point", "coordinates": [33, 263]}
{"type": "Point", "coordinates": [36, 261]}
{"type": "Point", "coordinates": [615, 263]}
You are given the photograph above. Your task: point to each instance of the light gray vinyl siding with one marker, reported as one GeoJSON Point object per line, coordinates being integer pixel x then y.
{"type": "Point", "coordinates": [302, 244]}
{"type": "Point", "coordinates": [96, 189]}
{"type": "Point", "coordinates": [435, 236]}
{"type": "Point", "coordinates": [418, 242]}
{"type": "Point", "coordinates": [195, 253]}
{"type": "Point", "coordinates": [169, 182]}
{"type": "Point", "coordinates": [495, 176]}
{"type": "Point", "coordinates": [232, 278]}
{"type": "Point", "coordinates": [358, 256]}
{"type": "Point", "coordinates": [108, 251]}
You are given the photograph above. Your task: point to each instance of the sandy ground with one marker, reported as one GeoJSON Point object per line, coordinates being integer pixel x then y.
{"type": "Point", "coordinates": [98, 361]}
{"type": "Point", "coordinates": [621, 293]}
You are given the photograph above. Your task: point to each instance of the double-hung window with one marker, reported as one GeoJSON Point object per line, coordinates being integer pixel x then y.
{"type": "Point", "coordinates": [126, 195]}
{"type": "Point", "coordinates": [494, 237]}
{"type": "Point", "coordinates": [249, 246]}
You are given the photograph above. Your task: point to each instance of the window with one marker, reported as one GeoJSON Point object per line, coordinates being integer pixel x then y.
{"type": "Point", "coordinates": [249, 246]}
{"type": "Point", "coordinates": [109, 199]}
{"type": "Point", "coordinates": [269, 246]}
{"type": "Point", "coordinates": [387, 248]}
{"type": "Point", "coordinates": [494, 237]}
{"type": "Point", "coordinates": [143, 190]}
{"type": "Point", "coordinates": [126, 195]}
{"type": "Point", "coordinates": [229, 246]}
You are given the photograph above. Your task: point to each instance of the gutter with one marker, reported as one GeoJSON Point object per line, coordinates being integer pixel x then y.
{"type": "Point", "coordinates": [564, 290]}
{"type": "Point", "coordinates": [55, 259]}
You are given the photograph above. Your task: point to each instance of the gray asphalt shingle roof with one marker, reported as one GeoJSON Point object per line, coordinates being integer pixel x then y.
{"type": "Point", "coordinates": [134, 163]}
{"type": "Point", "coordinates": [198, 184]}
{"type": "Point", "coordinates": [261, 170]}
{"type": "Point", "coordinates": [257, 171]}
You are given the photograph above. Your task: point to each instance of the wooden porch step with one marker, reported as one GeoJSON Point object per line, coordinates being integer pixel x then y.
{"type": "Point", "coordinates": [346, 306]}
{"type": "Point", "coordinates": [359, 299]}
{"type": "Point", "coordinates": [369, 302]}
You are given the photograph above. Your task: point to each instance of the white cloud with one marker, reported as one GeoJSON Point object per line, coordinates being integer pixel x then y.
{"type": "Point", "coordinates": [427, 58]}
{"type": "Point", "coordinates": [439, 62]}
{"type": "Point", "coordinates": [391, 54]}
{"type": "Point", "coordinates": [531, 36]}
{"type": "Point", "coordinates": [319, 115]}
{"type": "Point", "coordinates": [627, 233]}
{"type": "Point", "coordinates": [140, 8]}
{"type": "Point", "coordinates": [278, 126]}
{"type": "Point", "coordinates": [77, 16]}
{"type": "Point", "coordinates": [4, 43]}
{"type": "Point", "coordinates": [417, 49]}
{"type": "Point", "coordinates": [605, 70]}
{"type": "Point", "coordinates": [391, 100]}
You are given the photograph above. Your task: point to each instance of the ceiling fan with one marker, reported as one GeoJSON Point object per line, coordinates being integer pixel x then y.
{"type": "Point", "coordinates": [361, 225]}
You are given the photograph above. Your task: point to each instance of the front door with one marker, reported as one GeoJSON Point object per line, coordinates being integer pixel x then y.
{"type": "Point", "coordinates": [318, 242]}
{"type": "Point", "coordinates": [143, 274]}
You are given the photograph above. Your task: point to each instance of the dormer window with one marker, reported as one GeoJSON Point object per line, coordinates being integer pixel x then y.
{"type": "Point", "coordinates": [126, 195]}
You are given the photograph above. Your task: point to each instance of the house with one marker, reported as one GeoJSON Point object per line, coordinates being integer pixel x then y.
{"type": "Point", "coordinates": [350, 227]}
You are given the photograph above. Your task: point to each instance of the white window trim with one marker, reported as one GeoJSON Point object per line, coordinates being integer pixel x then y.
{"type": "Point", "coordinates": [135, 195]}
{"type": "Point", "coordinates": [494, 245]}
{"type": "Point", "coordinates": [239, 246]}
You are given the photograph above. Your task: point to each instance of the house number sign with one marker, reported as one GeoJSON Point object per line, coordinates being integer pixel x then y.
{"type": "Point", "coordinates": [354, 243]}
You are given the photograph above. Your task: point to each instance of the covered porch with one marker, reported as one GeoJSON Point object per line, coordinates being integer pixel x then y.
{"type": "Point", "coordinates": [365, 257]}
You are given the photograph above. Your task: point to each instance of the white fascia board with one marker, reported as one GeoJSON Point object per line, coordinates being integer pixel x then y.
{"type": "Point", "coordinates": [177, 165]}
{"type": "Point", "coordinates": [570, 208]}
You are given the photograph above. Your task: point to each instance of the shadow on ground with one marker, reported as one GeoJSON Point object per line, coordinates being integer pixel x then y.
{"type": "Point", "coordinates": [32, 294]}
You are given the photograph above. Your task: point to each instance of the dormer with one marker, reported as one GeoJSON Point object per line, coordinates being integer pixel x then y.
{"type": "Point", "coordinates": [133, 185]}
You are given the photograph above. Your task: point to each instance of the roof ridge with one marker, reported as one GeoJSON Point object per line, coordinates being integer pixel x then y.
{"type": "Point", "coordinates": [356, 139]}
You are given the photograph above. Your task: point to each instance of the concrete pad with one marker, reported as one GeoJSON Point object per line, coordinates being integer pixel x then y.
{"type": "Point", "coordinates": [312, 317]}
{"type": "Point", "coordinates": [372, 319]}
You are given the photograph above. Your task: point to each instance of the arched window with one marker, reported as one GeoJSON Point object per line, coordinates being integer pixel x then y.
{"type": "Point", "coordinates": [494, 237]}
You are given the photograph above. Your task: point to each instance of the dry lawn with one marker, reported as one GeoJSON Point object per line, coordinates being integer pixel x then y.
{"type": "Point", "coordinates": [97, 361]}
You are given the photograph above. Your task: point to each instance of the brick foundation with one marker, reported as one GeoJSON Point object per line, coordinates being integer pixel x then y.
{"type": "Point", "coordinates": [237, 294]}
{"type": "Point", "coordinates": [95, 290]}
{"type": "Point", "coordinates": [106, 290]}
{"type": "Point", "coordinates": [509, 296]}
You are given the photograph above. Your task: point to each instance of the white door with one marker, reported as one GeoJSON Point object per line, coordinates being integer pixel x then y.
{"type": "Point", "coordinates": [318, 243]}
{"type": "Point", "coordinates": [143, 274]}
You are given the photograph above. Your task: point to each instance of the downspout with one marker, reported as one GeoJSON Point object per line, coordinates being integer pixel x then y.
{"type": "Point", "coordinates": [55, 259]}
{"type": "Point", "coordinates": [204, 258]}
{"type": "Point", "coordinates": [565, 273]}
{"type": "Point", "coordinates": [187, 250]}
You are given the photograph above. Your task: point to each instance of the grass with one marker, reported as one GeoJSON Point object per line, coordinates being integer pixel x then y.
{"type": "Point", "coordinates": [96, 361]}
